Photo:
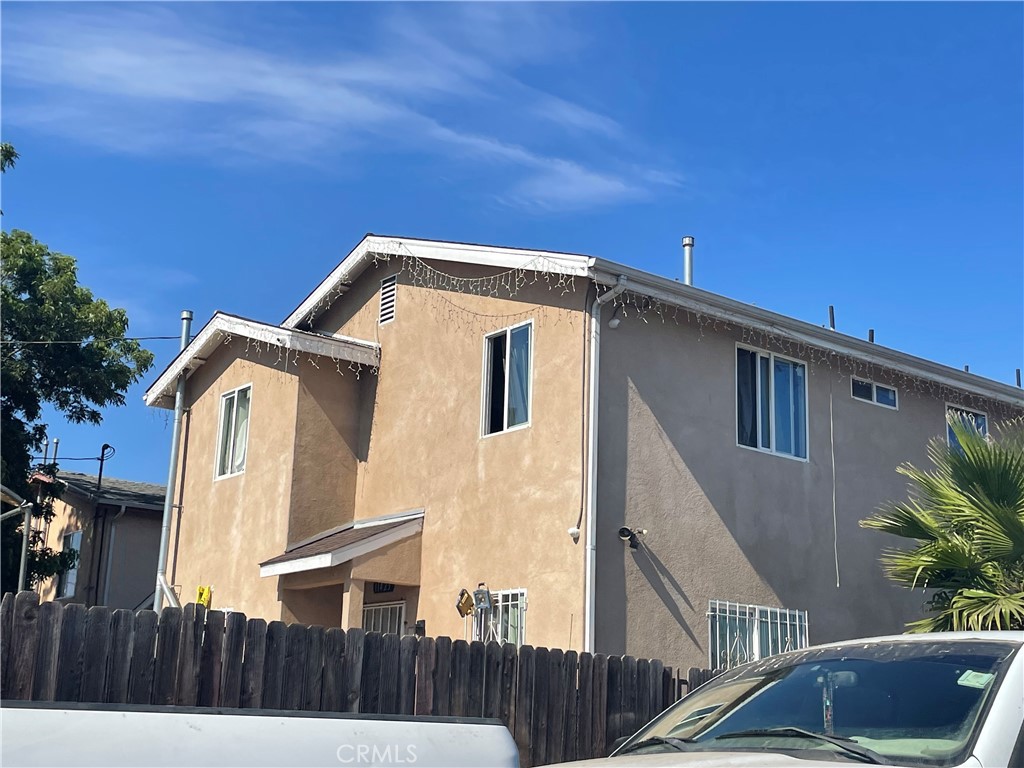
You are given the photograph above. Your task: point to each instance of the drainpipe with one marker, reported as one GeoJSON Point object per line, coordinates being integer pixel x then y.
{"type": "Point", "coordinates": [591, 502]}
{"type": "Point", "coordinates": [163, 589]}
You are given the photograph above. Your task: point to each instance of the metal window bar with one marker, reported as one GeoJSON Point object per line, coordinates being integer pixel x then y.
{"type": "Point", "coordinates": [738, 633]}
{"type": "Point", "coordinates": [505, 622]}
{"type": "Point", "coordinates": [386, 618]}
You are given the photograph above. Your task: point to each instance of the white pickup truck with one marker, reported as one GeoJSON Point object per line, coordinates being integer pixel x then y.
{"type": "Point", "coordinates": [36, 734]}
{"type": "Point", "coordinates": [917, 701]}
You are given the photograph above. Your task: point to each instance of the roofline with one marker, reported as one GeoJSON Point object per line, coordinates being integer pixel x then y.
{"type": "Point", "coordinates": [362, 256]}
{"type": "Point", "coordinates": [223, 324]}
{"type": "Point", "coordinates": [366, 522]}
{"type": "Point", "coordinates": [661, 288]}
{"type": "Point", "coordinates": [721, 307]}
{"type": "Point", "coordinates": [99, 498]}
{"type": "Point", "coordinates": [403, 530]}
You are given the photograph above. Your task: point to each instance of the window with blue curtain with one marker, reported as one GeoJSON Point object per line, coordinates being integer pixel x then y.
{"type": "Point", "coordinates": [771, 403]}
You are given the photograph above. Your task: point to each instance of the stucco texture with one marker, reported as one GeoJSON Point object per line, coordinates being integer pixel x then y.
{"type": "Point", "coordinates": [496, 508]}
{"type": "Point", "coordinates": [731, 523]}
{"type": "Point", "coordinates": [227, 526]}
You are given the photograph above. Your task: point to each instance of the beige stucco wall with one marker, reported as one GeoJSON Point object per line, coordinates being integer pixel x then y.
{"type": "Point", "coordinates": [497, 508]}
{"type": "Point", "coordinates": [130, 558]}
{"type": "Point", "coordinates": [227, 526]}
{"type": "Point", "coordinates": [727, 522]}
{"type": "Point", "coordinates": [117, 560]}
{"type": "Point", "coordinates": [326, 434]}
{"type": "Point", "coordinates": [71, 513]}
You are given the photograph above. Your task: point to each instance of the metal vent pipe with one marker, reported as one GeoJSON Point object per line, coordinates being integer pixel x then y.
{"type": "Point", "coordinates": [688, 260]}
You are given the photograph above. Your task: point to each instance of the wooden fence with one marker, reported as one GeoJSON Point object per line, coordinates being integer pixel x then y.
{"type": "Point", "coordinates": [558, 705]}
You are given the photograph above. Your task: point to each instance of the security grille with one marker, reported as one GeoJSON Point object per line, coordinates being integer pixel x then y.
{"type": "Point", "coordinates": [388, 293]}
{"type": "Point", "coordinates": [506, 622]}
{"type": "Point", "coordinates": [740, 633]}
{"type": "Point", "coordinates": [384, 618]}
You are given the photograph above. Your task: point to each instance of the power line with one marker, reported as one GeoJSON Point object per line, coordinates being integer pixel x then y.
{"type": "Point", "coordinates": [90, 341]}
{"type": "Point", "coordinates": [68, 458]}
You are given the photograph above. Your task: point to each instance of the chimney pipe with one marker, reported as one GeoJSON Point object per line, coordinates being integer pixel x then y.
{"type": "Point", "coordinates": [967, 369]}
{"type": "Point", "coordinates": [1018, 377]}
{"type": "Point", "coordinates": [831, 317]}
{"type": "Point", "coordinates": [871, 335]}
{"type": "Point", "coordinates": [688, 260]}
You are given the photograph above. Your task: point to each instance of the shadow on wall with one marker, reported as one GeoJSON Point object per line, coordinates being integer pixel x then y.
{"type": "Point", "coordinates": [738, 524]}
{"type": "Point", "coordinates": [665, 586]}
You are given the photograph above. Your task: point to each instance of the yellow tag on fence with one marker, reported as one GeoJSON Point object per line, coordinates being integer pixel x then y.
{"type": "Point", "coordinates": [204, 596]}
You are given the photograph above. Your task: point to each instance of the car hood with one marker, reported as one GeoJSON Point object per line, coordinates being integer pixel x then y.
{"type": "Point", "coordinates": [709, 760]}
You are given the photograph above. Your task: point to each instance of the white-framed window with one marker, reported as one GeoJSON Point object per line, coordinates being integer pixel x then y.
{"type": "Point", "coordinates": [976, 419]}
{"type": "Point", "coordinates": [506, 621]}
{"type": "Point", "coordinates": [871, 392]}
{"type": "Point", "coordinates": [771, 403]}
{"type": "Point", "coordinates": [68, 581]}
{"type": "Point", "coordinates": [386, 618]}
{"type": "Point", "coordinates": [388, 294]}
{"type": "Point", "coordinates": [234, 431]}
{"type": "Point", "coordinates": [508, 372]}
{"type": "Point", "coordinates": [739, 633]}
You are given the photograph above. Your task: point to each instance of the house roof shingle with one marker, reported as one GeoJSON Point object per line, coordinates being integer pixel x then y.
{"type": "Point", "coordinates": [330, 542]}
{"type": "Point", "coordinates": [114, 490]}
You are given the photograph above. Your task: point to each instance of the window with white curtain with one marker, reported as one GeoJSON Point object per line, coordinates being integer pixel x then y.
{"type": "Point", "coordinates": [508, 368]}
{"type": "Point", "coordinates": [68, 581]}
{"type": "Point", "coordinates": [506, 621]}
{"type": "Point", "coordinates": [771, 403]}
{"type": "Point", "coordinates": [234, 431]}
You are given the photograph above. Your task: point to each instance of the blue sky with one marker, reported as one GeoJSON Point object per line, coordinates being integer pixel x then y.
{"type": "Point", "coordinates": [227, 156]}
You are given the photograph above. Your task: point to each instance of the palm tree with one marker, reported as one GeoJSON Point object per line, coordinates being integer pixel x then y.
{"type": "Point", "coordinates": [966, 516]}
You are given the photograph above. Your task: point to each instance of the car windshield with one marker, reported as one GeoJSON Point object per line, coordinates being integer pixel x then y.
{"type": "Point", "coordinates": [911, 703]}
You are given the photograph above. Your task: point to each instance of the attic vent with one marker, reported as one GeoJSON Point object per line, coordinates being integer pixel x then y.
{"type": "Point", "coordinates": [388, 288]}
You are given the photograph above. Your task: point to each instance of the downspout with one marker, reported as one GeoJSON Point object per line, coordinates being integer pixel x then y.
{"type": "Point", "coordinates": [591, 504]}
{"type": "Point", "coordinates": [163, 589]}
{"type": "Point", "coordinates": [110, 554]}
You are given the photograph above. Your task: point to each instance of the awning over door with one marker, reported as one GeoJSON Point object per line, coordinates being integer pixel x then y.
{"type": "Point", "coordinates": [340, 545]}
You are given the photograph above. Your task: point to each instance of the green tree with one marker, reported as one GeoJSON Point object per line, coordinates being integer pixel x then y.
{"type": "Point", "coordinates": [966, 516]}
{"type": "Point", "coordinates": [42, 308]}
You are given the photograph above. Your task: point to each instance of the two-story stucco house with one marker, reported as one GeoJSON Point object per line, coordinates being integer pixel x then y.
{"type": "Point", "coordinates": [630, 464]}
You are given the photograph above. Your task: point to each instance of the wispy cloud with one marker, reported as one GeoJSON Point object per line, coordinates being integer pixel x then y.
{"type": "Point", "coordinates": [443, 83]}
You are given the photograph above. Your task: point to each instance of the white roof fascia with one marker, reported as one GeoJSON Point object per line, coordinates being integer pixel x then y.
{"type": "Point", "coordinates": [714, 305]}
{"type": "Point", "coordinates": [485, 255]}
{"type": "Point", "coordinates": [221, 326]}
{"type": "Point", "coordinates": [345, 554]}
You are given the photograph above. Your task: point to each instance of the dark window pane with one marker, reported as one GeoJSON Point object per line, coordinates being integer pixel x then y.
{"type": "Point", "coordinates": [970, 419]}
{"type": "Point", "coordinates": [862, 389]}
{"type": "Point", "coordinates": [496, 384]}
{"type": "Point", "coordinates": [746, 397]}
{"type": "Point", "coordinates": [885, 396]}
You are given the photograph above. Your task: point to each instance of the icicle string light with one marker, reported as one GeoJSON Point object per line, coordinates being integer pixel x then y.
{"type": "Point", "coordinates": [443, 288]}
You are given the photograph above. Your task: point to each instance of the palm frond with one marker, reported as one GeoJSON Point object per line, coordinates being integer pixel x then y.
{"type": "Point", "coordinates": [965, 515]}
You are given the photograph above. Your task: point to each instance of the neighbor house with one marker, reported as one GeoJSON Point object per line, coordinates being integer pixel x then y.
{"type": "Point", "coordinates": [629, 463]}
{"type": "Point", "coordinates": [114, 525]}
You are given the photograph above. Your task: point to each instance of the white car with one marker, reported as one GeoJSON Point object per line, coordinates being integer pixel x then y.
{"type": "Point", "coordinates": [944, 699]}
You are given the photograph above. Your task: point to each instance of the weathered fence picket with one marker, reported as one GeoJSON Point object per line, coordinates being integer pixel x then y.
{"type": "Point", "coordinates": [558, 706]}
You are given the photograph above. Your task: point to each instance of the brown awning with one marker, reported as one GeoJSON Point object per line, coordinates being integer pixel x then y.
{"type": "Point", "coordinates": [339, 545]}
